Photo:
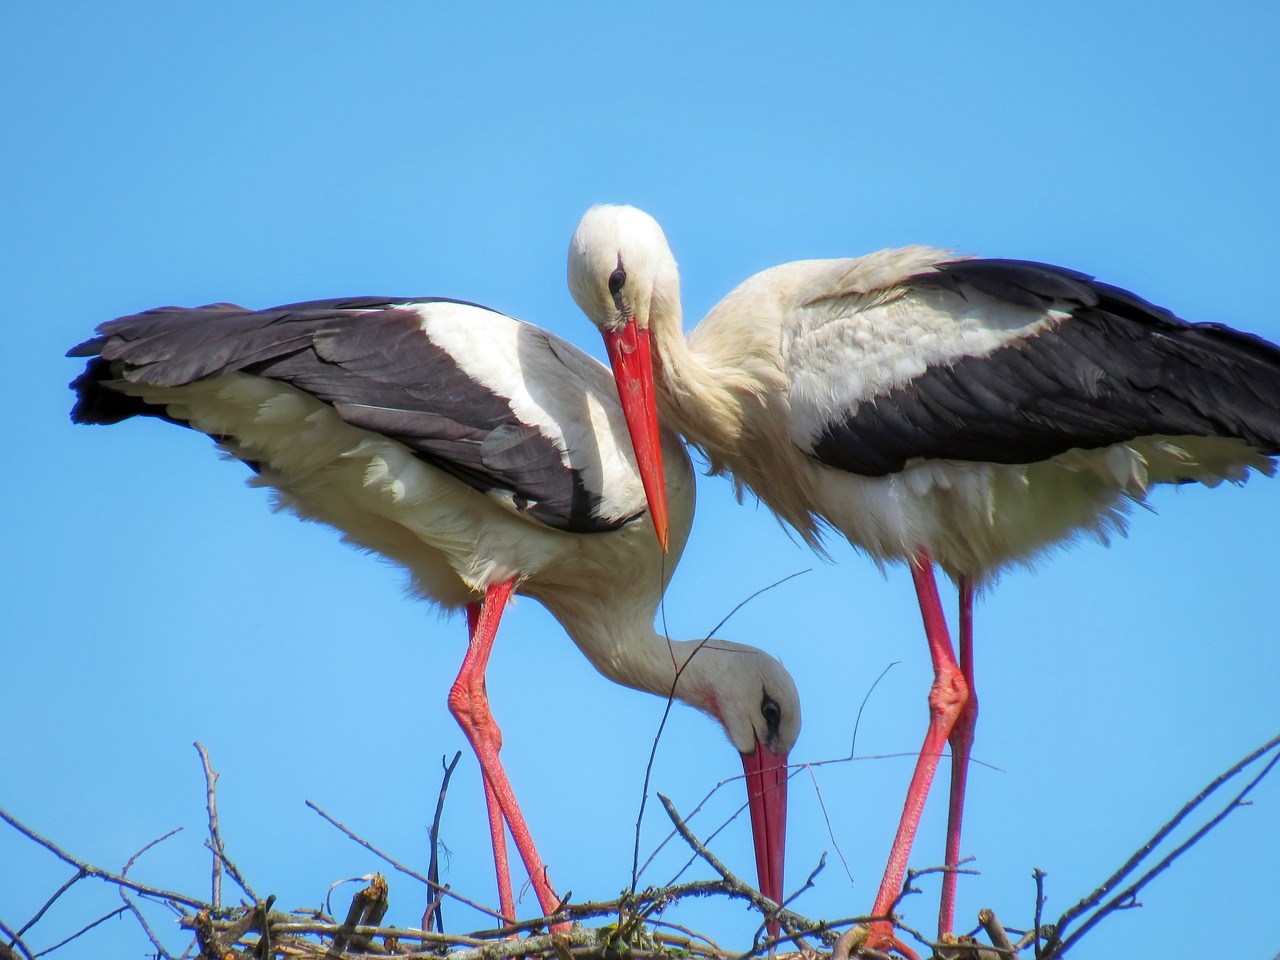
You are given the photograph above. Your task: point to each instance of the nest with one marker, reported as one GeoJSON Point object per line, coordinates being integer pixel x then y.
{"type": "Point", "coordinates": [629, 927]}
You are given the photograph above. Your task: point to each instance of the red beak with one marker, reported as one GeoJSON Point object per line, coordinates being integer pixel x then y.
{"type": "Point", "coordinates": [767, 797]}
{"type": "Point", "coordinates": [632, 363]}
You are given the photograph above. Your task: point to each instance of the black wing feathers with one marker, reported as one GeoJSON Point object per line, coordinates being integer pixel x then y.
{"type": "Point", "coordinates": [370, 359]}
{"type": "Point", "coordinates": [1118, 368]}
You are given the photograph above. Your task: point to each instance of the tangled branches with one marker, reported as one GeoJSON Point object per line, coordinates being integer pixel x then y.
{"type": "Point", "coordinates": [628, 926]}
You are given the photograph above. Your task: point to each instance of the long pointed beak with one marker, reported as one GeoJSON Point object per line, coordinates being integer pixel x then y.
{"type": "Point", "coordinates": [767, 796]}
{"type": "Point", "coordinates": [632, 364]}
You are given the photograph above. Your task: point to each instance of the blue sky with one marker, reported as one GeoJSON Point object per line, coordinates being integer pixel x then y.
{"type": "Point", "coordinates": [262, 153]}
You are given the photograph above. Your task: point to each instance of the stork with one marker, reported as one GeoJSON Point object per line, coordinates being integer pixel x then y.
{"type": "Point", "coordinates": [486, 457]}
{"type": "Point", "coordinates": [935, 410]}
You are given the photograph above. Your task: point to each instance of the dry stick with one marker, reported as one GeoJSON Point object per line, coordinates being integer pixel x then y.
{"type": "Point", "coordinates": [92, 871]}
{"type": "Point", "coordinates": [401, 867]}
{"type": "Point", "coordinates": [689, 934]}
{"type": "Point", "coordinates": [736, 887]}
{"type": "Point", "coordinates": [996, 932]}
{"type": "Point", "coordinates": [285, 925]}
{"type": "Point", "coordinates": [653, 899]}
{"type": "Point", "coordinates": [260, 913]}
{"type": "Point", "coordinates": [795, 769]}
{"type": "Point", "coordinates": [258, 916]}
{"type": "Point", "coordinates": [1038, 921]}
{"type": "Point", "coordinates": [671, 696]}
{"type": "Point", "coordinates": [15, 942]}
{"type": "Point", "coordinates": [83, 930]}
{"type": "Point", "coordinates": [211, 804]}
{"type": "Point", "coordinates": [808, 884]}
{"type": "Point", "coordinates": [214, 843]}
{"type": "Point", "coordinates": [133, 908]}
{"type": "Point", "coordinates": [80, 875]}
{"type": "Point", "coordinates": [831, 834]}
{"type": "Point", "coordinates": [434, 900]}
{"type": "Point", "coordinates": [367, 908]}
{"type": "Point", "coordinates": [1129, 894]}
{"type": "Point", "coordinates": [1141, 854]}
{"type": "Point", "coordinates": [857, 720]}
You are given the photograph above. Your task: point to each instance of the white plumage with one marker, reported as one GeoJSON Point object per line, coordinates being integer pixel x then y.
{"type": "Point", "coordinates": [933, 409]}
{"type": "Point", "coordinates": [483, 455]}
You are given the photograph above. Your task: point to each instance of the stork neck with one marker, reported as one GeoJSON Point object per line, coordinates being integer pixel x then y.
{"type": "Point", "coordinates": [699, 394]}
{"type": "Point", "coordinates": [626, 648]}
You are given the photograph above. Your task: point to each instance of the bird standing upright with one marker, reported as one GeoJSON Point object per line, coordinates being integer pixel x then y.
{"type": "Point", "coordinates": [486, 457]}
{"type": "Point", "coordinates": [934, 409]}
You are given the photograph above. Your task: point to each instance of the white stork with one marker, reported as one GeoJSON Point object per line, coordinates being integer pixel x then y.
{"type": "Point", "coordinates": [933, 409]}
{"type": "Point", "coordinates": [485, 456]}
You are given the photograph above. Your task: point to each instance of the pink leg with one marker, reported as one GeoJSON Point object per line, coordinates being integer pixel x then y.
{"type": "Point", "coordinates": [469, 704]}
{"type": "Point", "coordinates": [497, 826]}
{"type": "Point", "coordinates": [947, 697]}
{"type": "Point", "coordinates": [961, 740]}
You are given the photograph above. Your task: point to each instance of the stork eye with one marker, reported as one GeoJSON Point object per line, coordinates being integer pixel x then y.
{"type": "Point", "coordinates": [772, 713]}
{"type": "Point", "coordinates": [616, 280]}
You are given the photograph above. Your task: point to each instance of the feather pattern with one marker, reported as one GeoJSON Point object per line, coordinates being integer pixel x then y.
{"type": "Point", "coordinates": [380, 364]}
{"type": "Point", "coordinates": [1098, 367]}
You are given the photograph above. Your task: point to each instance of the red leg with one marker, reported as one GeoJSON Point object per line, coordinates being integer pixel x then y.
{"type": "Point", "coordinates": [961, 741]}
{"type": "Point", "coordinates": [497, 826]}
{"type": "Point", "coordinates": [469, 704]}
{"type": "Point", "coordinates": [946, 699]}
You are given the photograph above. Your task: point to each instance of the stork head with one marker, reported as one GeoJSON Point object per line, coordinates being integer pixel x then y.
{"type": "Point", "coordinates": [755, 699]}
{"type": "Point", "coordinates": [623, 276]}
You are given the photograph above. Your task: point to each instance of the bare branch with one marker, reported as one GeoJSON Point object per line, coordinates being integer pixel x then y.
{"type": "Point", "coordinates": [857, 720]}
{"type": "Point", "coordinates": [734, 886]}
{"type": "Point", "coordinates": [211, 804]}
{"type": "Point", "coordinates": [1142, 852]}
{"type": "Point", "coordinates": [15, 943]}
{"type": "Point", "coordinates": [435, 892]}
{"type": "Point", "coordinates": [402, 868]}
{"type": "Point", "coordinates": [1039, 917]}
{"type": "Point", "coordinates": [367, 910]}
{"type": "Point", "coordinates": [83, 930]}
{"type": "Point", "coordinates": [1128, 896]}
{"type": "Point", "coordinates": [133, 907]}
{"type": "Point", "coordinates": [671, 696]}
{"type": "Point", "coordinates": [996, 932]}
{"type": "Point", "coordinates": [91, 871]}
{"type": "Point", "coordinates": [79, 875]}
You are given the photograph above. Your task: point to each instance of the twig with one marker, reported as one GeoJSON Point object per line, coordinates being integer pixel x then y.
{"type": "Point", "coordinates": [92, 871]}
{"type": "Point", "coordinates": [831, 834]}
{"type": "Point", "coordinates": [214, 843]}
{"type": "Point", "coordinates": [211, 804]}
{"type": "Point", "coordinates": [1142, 852]}
{"type": "Point", "coordinates": [133, 907]}
{"type": "Point", "coordinates": [857, 720]}
{"type": "Point", "coordinates": [849, 940]}
{"type": "Point", "coordinates": [83, 930]}
{"type": "Point", "coordinates": [1128, 896]}
{"type": "Point", "coordinates": [15, 942]}
{"type": "Point", "coordinates": [80, 875]}
{"type": "Point", "coordinates": [367, 909]}
{"type": "Point", "coordinates": [434, 898]}
{"type": "Point", "coordinates": [683, 829]}
{"type": "Point", "coordinates": [794, 769]}
{"type": "Point", "coordinates": [736, 887]}
{"type": "Point", "coordinates": [808, 884]}
{"type": "Point", "coordinates": [671, 696]}
{"type": "Point", "coordinates": [402, 868]}
{"type": "Point", "coordinates": [996, 933]}
{"type": "Point", "coordinates": [219, 852]}
{"type": "Point", "coordinates": [1039, 915]}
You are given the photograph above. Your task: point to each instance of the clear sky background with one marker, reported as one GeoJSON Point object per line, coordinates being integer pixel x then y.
{"type": "Point", "coordinates": [166, 153]}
